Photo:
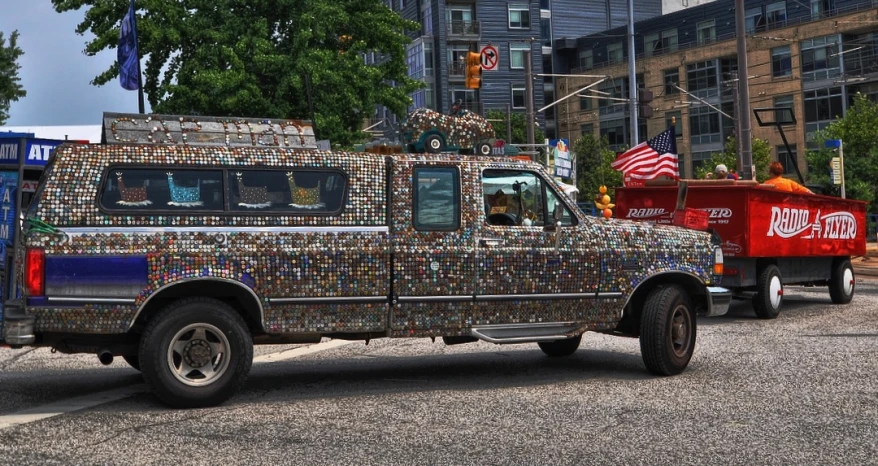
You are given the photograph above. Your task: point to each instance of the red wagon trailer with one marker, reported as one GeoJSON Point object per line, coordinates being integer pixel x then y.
{"type": "Point", "coordinates": [770, 238]}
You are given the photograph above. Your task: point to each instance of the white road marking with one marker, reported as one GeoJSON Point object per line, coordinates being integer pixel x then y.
{"type": "Point", "coordinates": [26, 416]}
{"type": "Point", "coordinates": [302, 351]}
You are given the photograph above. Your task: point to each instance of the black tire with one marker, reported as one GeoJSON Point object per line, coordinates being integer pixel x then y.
{"type": "Point", "coordinates": [667, 330]}
{"type": "Point", "coordinates": [560, 348]}
{"type": "Point", "coordinates": [769, 295]}
{"type": "Point", "coordinates": [842, 282]}
{"type": "Point", "coordinates": [132, 361]}
{"type": "Point", "coordinates": [433, 144]}
{"type": "Point", "coordinates": [484, 148]}
{"type": "Point", "coordinates": [211, 365]}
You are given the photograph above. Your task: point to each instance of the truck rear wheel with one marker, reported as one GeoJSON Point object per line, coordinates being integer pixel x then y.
{"type": "Point", "coordinates": [667, 331]}
{"type": "Point", "coordinates": [433, 144]}
{"type": "Point", "coordinates": [560, 348]}
{"type": "Point", "coordinates": [484, 148]}
{"type": "Point", "coordinates": [769, 296]}
{"type": "Point", "coordinates": [196, 352]}
{"type": "Point", "coordinates": [842, 282]}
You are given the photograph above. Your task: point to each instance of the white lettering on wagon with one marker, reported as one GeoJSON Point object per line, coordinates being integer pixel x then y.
{"type": "Point", "coordinates": [788, 223]}
{"type": "Point", "coordinates": [645, 213]}
{"type": "Point", "coordinates": [718, 212]}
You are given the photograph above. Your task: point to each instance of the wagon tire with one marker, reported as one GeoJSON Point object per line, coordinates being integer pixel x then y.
{"type": "Point", "coordinates": [433, 144]}
{"type": "Point", "coordinates": [842, 282]}
{"type": "Point", "coordinates": [667, 331]}
{"type": "Point", "coordinates": [769, 295]}
{"type": "Point", "coordinates": [560, 348]}
{"type": "Point", "coordinates": [132, 361]}
{"type": "Point", "coordinates": [196, 352]}
{"type": "Point", "coordinates": [484, 148]}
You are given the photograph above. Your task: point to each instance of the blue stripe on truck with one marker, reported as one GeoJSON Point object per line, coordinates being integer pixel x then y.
{"type": "Point", "coordinates": [65, 271]}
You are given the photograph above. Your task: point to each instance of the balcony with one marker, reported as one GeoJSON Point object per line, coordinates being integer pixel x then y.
{"type": "Point", "coordinates": [457, 71]}
{"type": "Point", "coordinates": [464, 29]}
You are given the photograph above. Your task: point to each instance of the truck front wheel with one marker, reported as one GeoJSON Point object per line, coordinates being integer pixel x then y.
{"type": "Point", "coordinates": [196, 352]}
{"type": "Point", "coordinates": [842, 283]}
{"type": "Point", "coordinates": [560, 348]}
{"type": "Point", "coordinates": [667, 330]}
{"type": "Point", "coordinates": [484, 148]}
{"type": "Point", "coordinates": [769, 296]}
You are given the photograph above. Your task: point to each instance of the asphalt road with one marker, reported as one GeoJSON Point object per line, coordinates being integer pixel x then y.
{"type": "Point", "coordinates": [801, 389]}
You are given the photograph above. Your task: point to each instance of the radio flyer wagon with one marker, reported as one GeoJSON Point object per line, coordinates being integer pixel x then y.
{"type": "Point", "coordinates": [770, 238]}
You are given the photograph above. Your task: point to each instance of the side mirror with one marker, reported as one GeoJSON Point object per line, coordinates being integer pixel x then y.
{"type": "Point", "coordinates": [558, 212]}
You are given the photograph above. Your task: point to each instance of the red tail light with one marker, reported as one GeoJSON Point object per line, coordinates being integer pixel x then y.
{"type": "Point", "coordinates": [35, 272]}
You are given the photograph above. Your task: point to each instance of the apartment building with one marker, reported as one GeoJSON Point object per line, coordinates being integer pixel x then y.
{"type": "Point", "coordinates": [812, 56]}
{"type": "Point", "coordinates": [451, 28]}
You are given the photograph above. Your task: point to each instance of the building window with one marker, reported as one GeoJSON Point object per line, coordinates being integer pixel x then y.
{"type": "Point", "coordinates": [615, 89]}
{"type": "Point", "coordinates": [788, 160]}
{"type": "Point", "coordinates": [672, 78]}
{"type": "Point", "coordinates": [704, 125]}
{"type": "Point", "coordinates": [822, 106]}
{"type": "Point", "coordinates": [820, 58]}
{"type": "Point", "coordinates": [519, 16]}
{"type": "Point", "coordinates": [701, 78]}
{"type": "Point", "coordinates": [460, 19]}
{"type": "Point", "coordinates": [546, 31]}
{"type": "Point", "coordinates": [678, 125]}
{"type": "Point", "coordinates": [775, 14]}
{"type": "Point", "coordinates": [658, 43]}
{"type": "Point", "coordinates": [783, 116]}
{"type": "Point", "coordinates": [822, 8]}
{"type": "Point", "coordinates": [781, 62]}
{"type": "Point", "coordinates": [706, 31]}
{"type": "Point", "coordinates": [427, 14]}
{"type": "Point", "coordinates": [728, 77]}
{"type": "Point", "coordinates": [701, 158]}
{"type": "Point", "coordinates": [615, 53]}
{"type": "Point", "coordinates": [586, 59]}
{"type": "Point", "coordinates": [754, 20]}
{"type": "Point", "coordinates": [586, 129]}
{"type": "Point", "coordinates": [614, 130]}
{"type": "Point", "coordinates": [516, 55]}
{"type": "Point", "coordinates": [436, 193]}
{"type": "Point", "coordinates": [585, 104]}
{"type": "Point", "coordinates": [518, 96]}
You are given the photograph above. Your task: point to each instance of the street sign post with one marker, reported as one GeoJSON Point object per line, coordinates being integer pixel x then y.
{"type": "Point", "coordinates": [490, 57]}
{"type": "Point", "coordinates": [837, 173]}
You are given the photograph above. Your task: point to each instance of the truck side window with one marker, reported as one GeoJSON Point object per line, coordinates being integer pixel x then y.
{"type": "Point", "coordinates": [513, 198]}
{"type": "Point", "coordinates": [290, 190]}
{"type": "Point", "coordinates": [566, 216]}
{"type": "Point", "coordinates": [170, 189]}
{"type": "Point", "coordinates": [436, 198]}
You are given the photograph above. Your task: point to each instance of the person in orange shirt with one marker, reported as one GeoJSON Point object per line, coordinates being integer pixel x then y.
{"type": "Point", "coordinates": [775, 169]}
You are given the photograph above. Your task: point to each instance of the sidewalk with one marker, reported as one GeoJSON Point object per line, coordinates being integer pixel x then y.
{"type": "Point", "coordinates": [868, 265]}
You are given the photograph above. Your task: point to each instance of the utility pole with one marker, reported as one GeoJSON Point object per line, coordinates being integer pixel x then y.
{"type": "Point", "coordinates": [508, 123]}
{"type": "Point", "coordinates": [745, 156]}
{"type": "Point", "coordinates": [529, 97]}
{"type": "Point", "coordinates": [632, 76]}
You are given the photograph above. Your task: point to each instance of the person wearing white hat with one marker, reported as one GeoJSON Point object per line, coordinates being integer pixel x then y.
{"type": "Point", "coordinates": [722, 173]}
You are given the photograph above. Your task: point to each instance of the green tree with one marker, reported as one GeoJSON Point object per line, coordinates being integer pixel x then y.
{"type": "Point", "coordinates": [857, 130]}
{"type": "Point", "coordinates": [263, 58]}
{"type": "Point", "coordinates": [499, 119]}
{"type": "Point", "coordinates": [593, 170]}
{"type": "Point", "coordinates": [10, 87]}
{"type": "Point", "coordinates": [729, 157]}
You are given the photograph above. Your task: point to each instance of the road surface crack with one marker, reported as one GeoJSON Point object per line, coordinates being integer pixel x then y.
{"type": "Point", "coordinates": [15, 358]}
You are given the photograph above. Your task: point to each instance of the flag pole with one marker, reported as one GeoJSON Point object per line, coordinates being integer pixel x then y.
{"type": "Point", "coordinates": [137, 49]}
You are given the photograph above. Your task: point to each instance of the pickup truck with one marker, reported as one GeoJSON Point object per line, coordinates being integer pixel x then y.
{"type": "Point", "coordinates": [180, 258]}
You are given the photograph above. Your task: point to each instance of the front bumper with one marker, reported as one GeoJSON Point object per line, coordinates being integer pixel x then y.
{"type": "Point", "coordinates": [718, 301]}
{"type": "Point", "coordinates": [18, 327]}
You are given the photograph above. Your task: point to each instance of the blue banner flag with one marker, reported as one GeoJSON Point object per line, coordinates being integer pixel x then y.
{"type": "Point", "coordinates": [128, 56]}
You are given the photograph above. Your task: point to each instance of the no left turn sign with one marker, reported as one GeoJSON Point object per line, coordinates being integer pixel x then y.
{"type": "Point", "coordinates": [490, 57]}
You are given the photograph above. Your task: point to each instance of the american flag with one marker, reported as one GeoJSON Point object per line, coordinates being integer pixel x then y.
{"type": "Point", "coordinates": [651, 159]}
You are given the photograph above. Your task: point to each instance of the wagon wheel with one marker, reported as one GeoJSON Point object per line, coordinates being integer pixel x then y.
{"type": "Point", "coordinates": [769, 296]}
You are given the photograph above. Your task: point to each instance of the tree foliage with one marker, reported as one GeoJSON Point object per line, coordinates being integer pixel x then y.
{"type": "Point", "coordinates": [499, 120]}
{"type": "Point", "coordinates": [263, 58]}
{"type": "Point", "coordinates": [858, 131]}
{"type": "Point", "coordinates": [10, 87]}
{"type": "Point", "coordinates": [729, 157]}
{"type": "Point", "coordinates": [593, 170]}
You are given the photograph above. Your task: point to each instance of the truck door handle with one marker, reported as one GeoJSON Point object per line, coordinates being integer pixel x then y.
{"type": "Point", "coordinates": [490, 241]}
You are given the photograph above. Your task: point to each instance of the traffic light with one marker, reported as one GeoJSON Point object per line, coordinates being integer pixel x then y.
{"type": "Point", "coordinates": [644, 110]}
{"type": "Point", "coordinates": [473, 70]}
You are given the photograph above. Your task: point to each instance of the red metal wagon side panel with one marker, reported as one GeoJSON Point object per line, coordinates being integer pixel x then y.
{"type": "Point", "coordinates": [796, 225]}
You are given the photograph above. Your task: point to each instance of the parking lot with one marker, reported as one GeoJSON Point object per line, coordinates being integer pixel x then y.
{"type": "Point", "coordinates": [797, 390]}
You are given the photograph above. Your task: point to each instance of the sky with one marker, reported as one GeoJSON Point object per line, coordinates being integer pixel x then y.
{"type": "Point", "coordinates": [55, 71]}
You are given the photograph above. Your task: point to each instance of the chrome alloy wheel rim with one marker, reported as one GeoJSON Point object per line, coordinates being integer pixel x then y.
{"type": "Point", "coordinates": [435, 143]}
{"type": "Point", "coordinates": [198, 354]}
{"type": "Point", "coordinates": [681, 326]}
{"type": "Point", "coordinates": [775, 292]}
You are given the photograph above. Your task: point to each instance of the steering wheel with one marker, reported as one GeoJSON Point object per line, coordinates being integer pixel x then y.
{"type": "Point", "coordinates": [502, 218]}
